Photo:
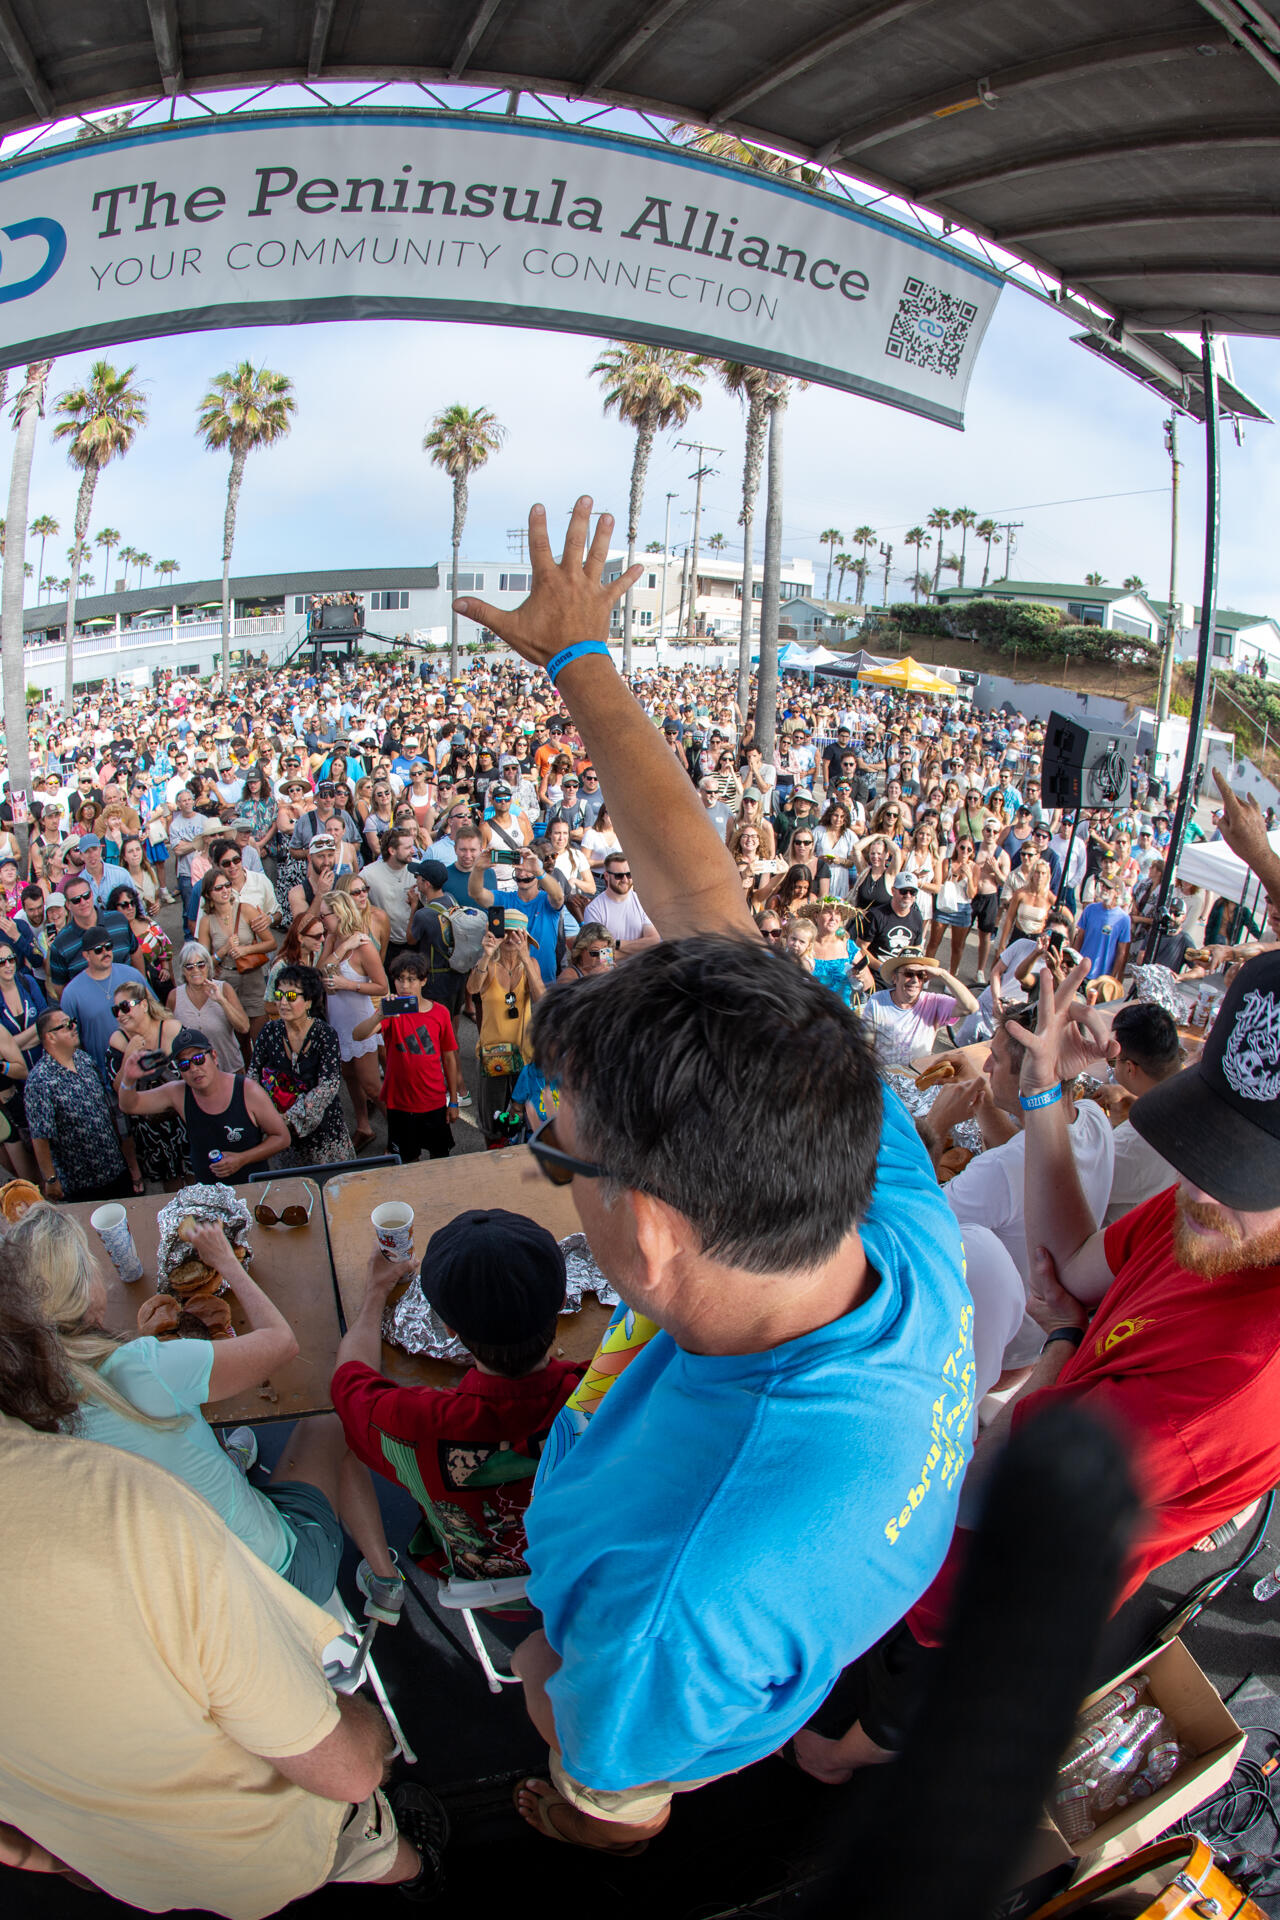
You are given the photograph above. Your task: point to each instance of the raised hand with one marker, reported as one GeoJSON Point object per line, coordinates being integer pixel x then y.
{"type": "Point", "coordinates": [1243, 826]}
{"type": "Point", "coordinates": [1069, 1037]}
{"type": "Point", "coordinates": [569, 601]}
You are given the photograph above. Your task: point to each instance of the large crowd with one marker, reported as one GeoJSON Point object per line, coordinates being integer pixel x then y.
{"type": "Point", "coordinates": [695, 974]}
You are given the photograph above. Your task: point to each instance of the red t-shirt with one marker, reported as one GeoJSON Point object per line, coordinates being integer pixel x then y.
{"type": "Point", "coordinates": [1190, 1371]}
{"type": "Point", "coordinates": [414, 1081]}
{"type": "Point", "coordinates": [467, 1454]}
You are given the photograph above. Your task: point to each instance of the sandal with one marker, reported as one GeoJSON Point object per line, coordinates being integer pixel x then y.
{"type": "Point", "coordinates": [546, 1803]}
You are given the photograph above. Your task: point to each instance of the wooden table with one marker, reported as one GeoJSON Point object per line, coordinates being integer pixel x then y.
{"type": "Point", "coordinates": [437, 1190]}
{"type": "Point", "coordinates": [291, 1264]}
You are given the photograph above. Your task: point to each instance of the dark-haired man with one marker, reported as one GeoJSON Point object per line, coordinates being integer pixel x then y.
{"type": "Point", "coordinates": [811, 1316]}
{"type": "Point", "coordinates": [67, 1109]}
{"type": "Point", "coordinates": [66, 951]}
{"type": "Point", "coordinates": [1150, 1052]}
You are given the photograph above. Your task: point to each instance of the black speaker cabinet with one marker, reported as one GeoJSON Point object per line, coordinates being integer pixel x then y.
{"type": "Point", "coordinates": [1085, 766]}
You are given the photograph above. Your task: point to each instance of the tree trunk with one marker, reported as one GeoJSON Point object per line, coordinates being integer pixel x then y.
{"type": "Point", "coordinates": [986, 565]}
{"type": "Point", "coordinates": [964, 537]}
{"type": "Point", "coordinates": [767, 689]}
{"type": "Point", "coordinates": [235, 480]}
{"type": "Point", "coordinates": [16, 731]}
{"type": "Point", "coordinates": [753, 458]}
{"type": "Point", "coordinates": [84, 507]}
{"type": "Point", "coordinates": [639, 471]}
{"type": "Point", "coordinates": [459, 523]}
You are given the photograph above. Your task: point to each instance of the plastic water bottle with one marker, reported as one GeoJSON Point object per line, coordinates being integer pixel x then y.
{"type": "Point", "coordinates": [1071, 1811]}
{"type": "Point", "coordinates": [1268, 1587]}
{"type": "Point", "coordinates": [1120, 1700]}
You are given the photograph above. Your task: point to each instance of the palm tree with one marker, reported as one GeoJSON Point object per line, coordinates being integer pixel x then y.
{"type": "Point", "coordinates": [716, 543]}
{"type": "Point", "coordinates": [753, 385]}
{"type": "Point", "coordinates": [1134, 584]}
{"type": "Point", "coordinates": [48, 529]}
{"type": "Point", "coordinates": [27, 412]}
{"type": "Point", "coordinates": [830, 540]}
{"type": "Point", "coordinates": [461, 440]}
{"type": "Point", "coordinates": [865, 537]}
{"type": "Point", "coordinates": [108, 538]}
{"type": "Point", "coordinates": [249, 407]}
{"type": "Point", "coordinates": [939, 520]}
{"type": "Point", "coordinates": [843, 563]}
{"type": "Point", "coordinates": [48, 584]}
{"type": "Point", "coordinates": [126, 557]}
{"type": "Point", "coordinates": [953, 563]}
{"type": "Point", "coordinates": [141, 561]}
{"type": "Point", "coordinates": [922, 583]}
{"type": "Point", "coordinates": [652, 389]}
{"type": "Point", "coordinates": [1094, 579]}
{"type": "Point", "coordinates": [100, 421]}
{"type": "Point", "coordinates": [165, 569]}
{"type": "Point", "coordinates": [989, 531]}
{"type": "Point", "coordinates": [917, 537]}
{"type": "Point", "coordinates": [654, 546]}
{"type": "Point", "coordinates": [964, 518]}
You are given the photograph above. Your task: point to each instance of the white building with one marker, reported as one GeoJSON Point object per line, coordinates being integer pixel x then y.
{"type": "Point", "coordinates": [717, 607]}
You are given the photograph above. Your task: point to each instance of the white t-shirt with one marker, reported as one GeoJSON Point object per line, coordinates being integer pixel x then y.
{"type": "Point", "coordinates": [999, 1306]}
{"type": "Point", "coordinates": [990, 1193]}
{"type": "Point", "coordinates": [1140, 1173]}
{"type": "Point", "coordinates": [902, 1032]}
{"type": "Point", "coordinates": [625, 919]}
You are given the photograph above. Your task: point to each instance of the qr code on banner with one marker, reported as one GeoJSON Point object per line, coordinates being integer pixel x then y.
{"type": "Point", "coordinates": [930, 328]}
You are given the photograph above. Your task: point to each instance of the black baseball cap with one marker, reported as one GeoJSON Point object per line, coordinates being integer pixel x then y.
{"type": "Point", "coordinates": [189, 1040]}
{"type": "Point", "coordinates": [1218, 1122]}
{"type": "Point", "coordinates": [434, 872]}
{"type": "Point", "coordinates": [494, 1276]}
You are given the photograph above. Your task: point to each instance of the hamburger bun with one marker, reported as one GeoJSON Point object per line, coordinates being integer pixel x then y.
{"type": "Point", "coordinates": [159, 1316]}
{"type": "Point", "coordinates": [204, 1319]}
{"type": "Point", "coordinates": [952, 1162]}
{"type": "Point", "coordinates": [937, 1074]}
{"type": "Point", "coordinates": [16, 1197]}
{"type": "Point", "coordinates": [194, 1280]}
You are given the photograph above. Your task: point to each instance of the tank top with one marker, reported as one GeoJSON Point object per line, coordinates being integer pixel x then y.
{"type": "Point", "coordinates": [231, 1131]}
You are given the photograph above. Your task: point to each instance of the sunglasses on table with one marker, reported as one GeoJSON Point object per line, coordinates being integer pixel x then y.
{"type": "Point", "coordinates": [190, 1060]}
{"type": "Point", "coordinates": [292, 1216]}
{"type": "Point", "coordinates": [557, 1166]}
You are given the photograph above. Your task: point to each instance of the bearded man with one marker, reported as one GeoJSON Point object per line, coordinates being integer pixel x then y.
{"type": "Point", "coordinates": [1167, 1322]}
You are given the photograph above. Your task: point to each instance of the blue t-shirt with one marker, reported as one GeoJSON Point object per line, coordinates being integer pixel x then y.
{"type": "Point", "coordinates": [544, 930]}
{"type": "Point", "coordinates": [730, 1531]}
{"type": "Point", "coordinates": [1100, 932]}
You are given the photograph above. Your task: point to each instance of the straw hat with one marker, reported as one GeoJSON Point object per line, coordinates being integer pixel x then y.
{"type": "Point", "coordinates": [889, 967]}
{"type": "Point", "coordinates": [846, 913]}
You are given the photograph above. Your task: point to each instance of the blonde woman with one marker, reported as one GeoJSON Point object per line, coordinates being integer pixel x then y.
{"type": "Point", "coordinates": [353, 974]}
{"type": "Point", "coordinates": [372, 919]}
{"type": "Point", "coordinates": [1029, 906]}
{"type": "Point", "coordinates": [145, 1397]}
{"type": "Point", "coordinates": [751, 814]}
{"type": "Point", "coordinates": [143, 1026]}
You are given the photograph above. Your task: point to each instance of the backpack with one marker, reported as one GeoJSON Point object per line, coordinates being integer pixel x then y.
{"type": "Point", "coordinates": [468, 926]}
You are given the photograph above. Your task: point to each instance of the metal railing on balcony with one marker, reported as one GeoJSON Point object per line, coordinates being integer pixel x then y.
{"type": "Point", "coordinates": [96, 640]}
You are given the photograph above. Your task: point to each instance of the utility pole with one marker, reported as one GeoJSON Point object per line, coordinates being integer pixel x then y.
{"type": "Point", "coordinates": [1171, 624]}
{"type": "Point", "coordinates": [1010, 528]}
{"type": "Point", "coordinates": [661, 634]}
{"type": "Point", "coordinates": [701, 473]}
{"type": "Point", "coordinates": [886, 554]}
{"type": "Point", "coordinates": [518, 543]}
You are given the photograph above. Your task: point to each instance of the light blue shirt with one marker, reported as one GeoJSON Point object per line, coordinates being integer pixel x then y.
{"type": "Point", "coordinates": [731, 1531]}
{"type": "Point", "coordinates": [112, 877]}
{"type": "Point", "coordinates": [167, 1377]}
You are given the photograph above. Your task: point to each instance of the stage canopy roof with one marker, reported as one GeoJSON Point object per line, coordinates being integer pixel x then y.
{"type": "Point", "coordinates": [1129, 148]}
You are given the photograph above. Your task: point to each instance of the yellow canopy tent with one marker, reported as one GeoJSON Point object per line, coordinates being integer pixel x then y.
{"type": "Point", "coordinates": [908, 674]}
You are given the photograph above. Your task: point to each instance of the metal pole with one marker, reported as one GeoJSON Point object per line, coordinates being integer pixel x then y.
{"type": "Point", "coordinates": [1208, 596]}
{"type": "Point", "coordinates": [661, 634]}
{"type": "Point", "coordinates": [1066, 860]}
{"type": "Point", "coordinates": [1171, 624]}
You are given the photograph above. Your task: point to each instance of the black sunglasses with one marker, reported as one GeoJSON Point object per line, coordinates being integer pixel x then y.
{"type": "Point", "coordinates": [557, 1166]}
{"type": "Point", "coordinates": [190, 1060]}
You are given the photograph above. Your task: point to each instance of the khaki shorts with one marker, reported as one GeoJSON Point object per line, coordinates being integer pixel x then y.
{"type": "Point", "coordinates": [631, 1806]}
{"type": "Point", "coordinates": [368, 1843]}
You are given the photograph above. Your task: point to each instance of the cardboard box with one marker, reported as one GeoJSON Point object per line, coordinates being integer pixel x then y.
{"type": "Point", "coordinates": [1204, 1725]}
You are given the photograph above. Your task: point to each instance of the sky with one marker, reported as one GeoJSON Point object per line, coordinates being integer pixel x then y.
{"type": "Point", "coordinates": [1054, 438]}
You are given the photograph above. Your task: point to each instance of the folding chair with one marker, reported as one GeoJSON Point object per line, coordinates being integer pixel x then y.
{"type": "Point", "coordinates": [348, 1662]}
{"type": "Point", "coordinates": [456, 1592]}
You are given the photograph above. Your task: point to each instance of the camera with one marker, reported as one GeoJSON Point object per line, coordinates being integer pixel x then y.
{"type": "Point", "coordinates": [158, 1070]}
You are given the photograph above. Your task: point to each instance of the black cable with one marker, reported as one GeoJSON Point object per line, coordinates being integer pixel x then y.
{"type": "Point", "coordinates": [1186, 1610]}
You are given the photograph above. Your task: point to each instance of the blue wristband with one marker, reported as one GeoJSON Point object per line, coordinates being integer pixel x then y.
{"type": "Point", "coordinates": [1032, 1102]}
{"type": "Point", "coordinates": [559, 661]}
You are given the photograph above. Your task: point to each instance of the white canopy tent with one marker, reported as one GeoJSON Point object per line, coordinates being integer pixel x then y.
{"type": "Point", "coordinates": [797, 659]}
{"type": "Point", "coordinates": [1212, 865]}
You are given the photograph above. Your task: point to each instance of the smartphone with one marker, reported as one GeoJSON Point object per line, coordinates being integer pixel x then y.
{"type": "Point", "coordinates": [498, 921]}
{"type": "Point", "coordinates": [1057, 939]}
{"type": "Point", "coordinates": [505, 856]}
{"type": "Point", "coordinates": [399, 1003]}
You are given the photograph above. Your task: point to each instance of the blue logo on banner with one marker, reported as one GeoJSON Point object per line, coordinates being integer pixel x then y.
{"type": "Point", "coordinates": [55, 240]}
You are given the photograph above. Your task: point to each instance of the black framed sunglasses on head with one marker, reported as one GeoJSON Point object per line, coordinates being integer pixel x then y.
{"type": "Point", "coordinates": [557, 1166]}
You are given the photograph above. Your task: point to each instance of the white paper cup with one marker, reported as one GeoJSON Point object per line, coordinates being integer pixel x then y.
{"type": "Point", "coordinates": [393, 1224]}
{"type": "Point", "coordinates": [111, 1224]}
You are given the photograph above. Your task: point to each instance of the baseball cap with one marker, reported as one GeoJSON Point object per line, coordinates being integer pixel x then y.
{"type": "Point", "coordinates": [55, 900]}
{"type": "Point", "coordinates": [905, 883]}
{"type": "Point", "coordinates": [494, 1276]}
{"type": "Point", "coordinates": [88, 840]}
{"type": "Point", "coordinates": [188, 1039]}
{"type": "Point", "coordinates": [243, 824]}
{"type": "Point", "coordinates": [322, 843]}
{"type": "Point", "coordinates": [434, 872]}
{"type": "Point", "coordinates": [500, 791]}
{"type": "Point", "coordinates": [752, 793]}
{"type": "Point", "coordinates": [1218, 1122]}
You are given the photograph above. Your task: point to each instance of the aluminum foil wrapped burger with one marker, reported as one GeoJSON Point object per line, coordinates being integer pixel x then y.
{"type": "Point", "coordinates": [202, 1205]}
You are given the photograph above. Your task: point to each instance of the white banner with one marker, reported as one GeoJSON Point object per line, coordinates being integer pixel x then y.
{"type": "Point", "coordinates": [357, 215]}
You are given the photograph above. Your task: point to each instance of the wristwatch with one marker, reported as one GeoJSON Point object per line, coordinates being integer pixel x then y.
{"type": "Point", "coordinates": [1072, 1334]}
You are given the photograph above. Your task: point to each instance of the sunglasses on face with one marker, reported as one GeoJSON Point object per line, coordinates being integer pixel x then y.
{"type": "Point", "coordinates": [292, 1216]}
{"type": "Point", "coordinates": [123, 1006]}
{"type": "Point", "coordinates": [771, 933]}
{"type": "Point", "coordinates": [557, 1166]}
{"type": "Point", "coordinates": [8, 960]}
{"type": "Point", "coordinates": [292, 993]}
{"type": "Point", "coordinates": [615, 873]}
{"type": "Point", "coordinates": [190, 1060]}
{"type": "Point", "coordinates": [68, 1026]}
